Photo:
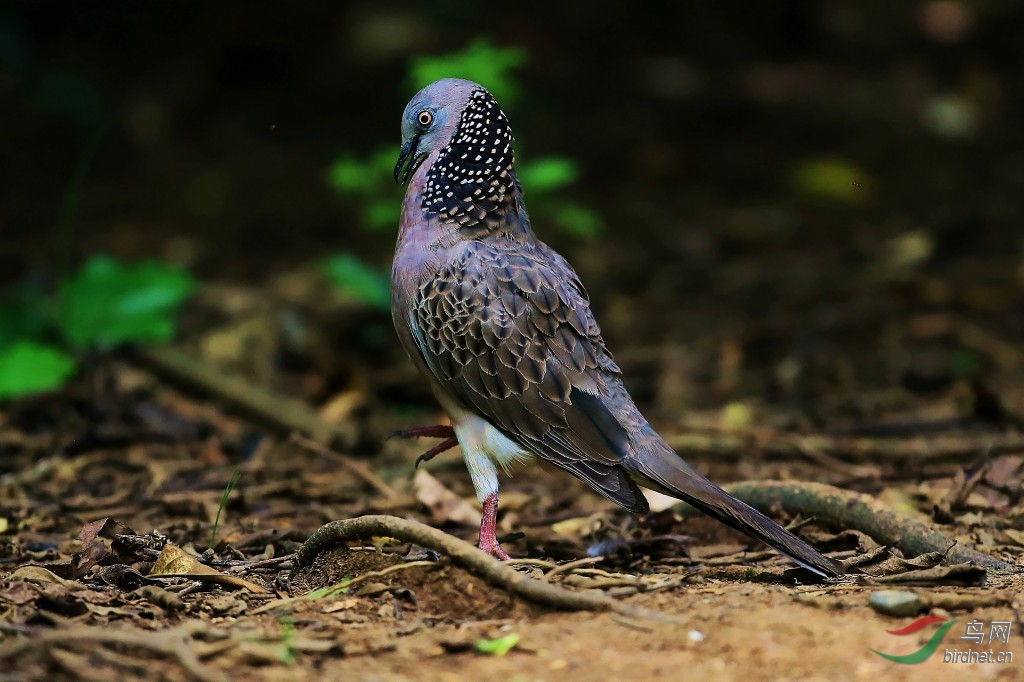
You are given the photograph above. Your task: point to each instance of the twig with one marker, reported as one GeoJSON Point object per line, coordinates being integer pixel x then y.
{"type": "Point", "coordinates": [165, 642]}
{"type": "Point", "coordinates": [570, 565]}
{"type": "Point", "coordinates": [848, 509]}
{"type": "Point", "coordinates": [250, 565]}
{"type": "Point", "coordinates": [347, 584]}
{"type": "Point", "coordinates": [284, 412]}
{"type": "Point", "coordinates": [469, 557]}
{"type": "Point", "coordinates": [541, 563]}
{"type": "Point", "coordinates": [359, 469]}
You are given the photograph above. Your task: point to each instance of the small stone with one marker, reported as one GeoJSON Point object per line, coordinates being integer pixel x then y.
{"type": "Point", "coordinates": [896, 603]}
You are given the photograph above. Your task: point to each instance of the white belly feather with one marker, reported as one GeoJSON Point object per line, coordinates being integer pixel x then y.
{"type": "Point", "coordinates": [484, 448]}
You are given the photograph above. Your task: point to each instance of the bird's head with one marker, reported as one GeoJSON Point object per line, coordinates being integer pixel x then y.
{"type": "Point", "coordinates": [472, 170]}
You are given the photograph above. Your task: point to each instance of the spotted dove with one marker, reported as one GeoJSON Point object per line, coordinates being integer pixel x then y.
{"type": "Point", "coordinates": [502, 328]}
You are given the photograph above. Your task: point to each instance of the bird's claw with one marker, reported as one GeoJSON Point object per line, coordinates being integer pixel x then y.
{"type": "Point", "coordinates": [496, 551]}
{"type": "Point", "coordinates": [446, 444]}
{"type": "Point", "coordinates": [437, 431]}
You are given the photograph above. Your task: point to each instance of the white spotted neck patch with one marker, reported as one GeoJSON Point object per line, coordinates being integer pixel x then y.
{"type": "Point", "coordinates": [473, 173]}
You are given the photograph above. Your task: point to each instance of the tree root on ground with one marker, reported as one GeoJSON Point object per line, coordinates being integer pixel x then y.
{"type": "Point", "coordinates": [469, 557]}
{"type": "Point", "coordinates": [851, 510]}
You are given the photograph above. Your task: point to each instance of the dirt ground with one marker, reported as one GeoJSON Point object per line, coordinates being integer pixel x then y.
{"type": "Point", "coordinates": [153, 467]}
{"type": "Point", "coordinates": [865, 331]}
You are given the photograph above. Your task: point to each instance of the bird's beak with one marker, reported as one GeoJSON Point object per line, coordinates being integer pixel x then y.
{"type": "Point", "coordinates": [407, 159]}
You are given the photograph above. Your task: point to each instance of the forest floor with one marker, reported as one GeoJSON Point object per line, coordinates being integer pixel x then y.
{"type": "Point", "coordinates": [134, 458]}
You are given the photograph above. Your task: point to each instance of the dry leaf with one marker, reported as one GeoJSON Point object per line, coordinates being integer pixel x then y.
{"type": "Point", "coordinates": [41, 576]}
{"type": "Point", "coordinates": [176, 562]}
{"type": "Point", "coordinates": [444, 505]}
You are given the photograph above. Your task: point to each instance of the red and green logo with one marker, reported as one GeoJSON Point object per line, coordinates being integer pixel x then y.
{"type": "Point", "coordinates": [925, 652]}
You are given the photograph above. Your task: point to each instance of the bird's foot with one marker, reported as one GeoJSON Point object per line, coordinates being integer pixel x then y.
{"type": "Point", "coordinates": [495, 551]}
{"type": "Point", "coordinates": [488, 526]}
{"type": "Point", "coordinates": [438, 431]}
{"type": "Point", "coordinates": [446, 444]}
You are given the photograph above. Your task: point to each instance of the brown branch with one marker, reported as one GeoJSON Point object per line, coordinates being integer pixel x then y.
{"type": "Point", "coordinates": [354, 467]}
{"type": "Point", "coordinates": [467, 556]}
{"type": "Point", "coordinates": [281, 411]}
{"type": "Point", "coordinates": [847, 509]}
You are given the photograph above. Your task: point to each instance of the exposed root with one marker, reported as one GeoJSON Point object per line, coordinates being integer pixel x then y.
{"type": "Point", "coordinates": [851, 510]}
{"type": "Point", "coordinates": [469, 557]}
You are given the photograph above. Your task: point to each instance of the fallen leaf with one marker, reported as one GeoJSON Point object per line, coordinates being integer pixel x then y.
{"type": "Point", "coordinates": [957, 574]}
{"type": "Point", "coordinates": [41, 576]}
{"type": "Point", "coordinates": [174, 562]}
{"type": "Point", "coordinates": [105, 527]}
{"type": "Point", "coordinates": [444, 505]}
{"type": "Point", "coordinates": [497, 647]}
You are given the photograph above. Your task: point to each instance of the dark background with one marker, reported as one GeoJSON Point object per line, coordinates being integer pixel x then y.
{"type": "Point", "coordinates": [214, 124]}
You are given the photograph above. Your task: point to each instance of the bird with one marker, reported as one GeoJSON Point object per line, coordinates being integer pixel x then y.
{"type": "Point", "coordinates": [503, 329]}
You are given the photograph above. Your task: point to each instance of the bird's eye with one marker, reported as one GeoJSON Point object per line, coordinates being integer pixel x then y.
{"type": "Point", "coordinates": [424, 118]}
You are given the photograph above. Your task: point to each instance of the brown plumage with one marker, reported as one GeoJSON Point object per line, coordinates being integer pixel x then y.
{"type": "Point", "coordinates": [502, 327]}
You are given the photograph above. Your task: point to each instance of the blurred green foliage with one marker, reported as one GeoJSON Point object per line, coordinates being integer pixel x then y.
{"type": "Point", "coordinates": [28, 367]}
{"type": "Point", "coordinates": [544, 177]}
{"type": "Point", "coordinates": [108, 303]}
{"type": "Point", "coordinates": [368, 181]}
{"type": "Point", "coordinates": [105, 303]}
{"type": "Point", "coordinates": [832, 179]}
{"type": "Point", "coordinates": [479, 62]}
{"type": "Point", "coordinates": [358, 280]}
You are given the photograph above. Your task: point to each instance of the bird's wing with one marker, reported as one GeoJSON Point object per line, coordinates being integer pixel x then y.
{"type": "Point", "coordinates": [509, 333]}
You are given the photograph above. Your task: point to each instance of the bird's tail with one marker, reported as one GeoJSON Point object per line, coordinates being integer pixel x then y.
{"type": "Point", "coordinates": [667, 472]}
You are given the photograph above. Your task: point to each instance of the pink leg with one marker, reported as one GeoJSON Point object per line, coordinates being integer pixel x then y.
{"type": "Point", "coordinates": [439, 431]}
{"type": "Point", "coordinates": [488, 540]}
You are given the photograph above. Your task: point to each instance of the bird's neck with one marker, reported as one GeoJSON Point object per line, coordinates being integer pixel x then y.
{"type": "Point", "coordinates": [478, 209]}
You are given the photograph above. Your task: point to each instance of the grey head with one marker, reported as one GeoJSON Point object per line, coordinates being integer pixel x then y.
{"type": "Point", "coordinates": [471, 174]}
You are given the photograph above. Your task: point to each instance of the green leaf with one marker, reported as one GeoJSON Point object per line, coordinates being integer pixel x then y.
{"type": "Point", "coordinates": [370, 180]}
{"type": "Point", "coordinates": [497, 647]}
{"type": "Point", "coordinates": [331, 590]}
{"type": "Point", "coordinates": [547, 173]}
{"type": "Point", "coordinates": [27, 367]}
{"type": "Point", "coordinates": [832, 179]}
{"type": "Point", "coordinates": [382, 214]}
{"type": "Point", "coordinates": [576, 220]}
{"type": "Point", "coordinates": [232, 482]}
{"type": "Point", "coordinates": [480, 61]}
{"type": "Point", "coordinates": [358, 280]}
{"type": "Point", "coordinates": [287, 655]}
{"type": "Point", "coordinates": [371, 176]}
{"type": "Point", "coordinates": [108, 302]}
{"type": "Point", "coordinates": [348, 175]}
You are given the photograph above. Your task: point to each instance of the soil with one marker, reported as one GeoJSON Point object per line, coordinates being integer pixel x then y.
{"type": "Point", "coordinates": [867, 335]}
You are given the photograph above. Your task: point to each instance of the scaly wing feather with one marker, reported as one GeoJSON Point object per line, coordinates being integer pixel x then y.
{"type": "Point", "coordinates": [509, 333]}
